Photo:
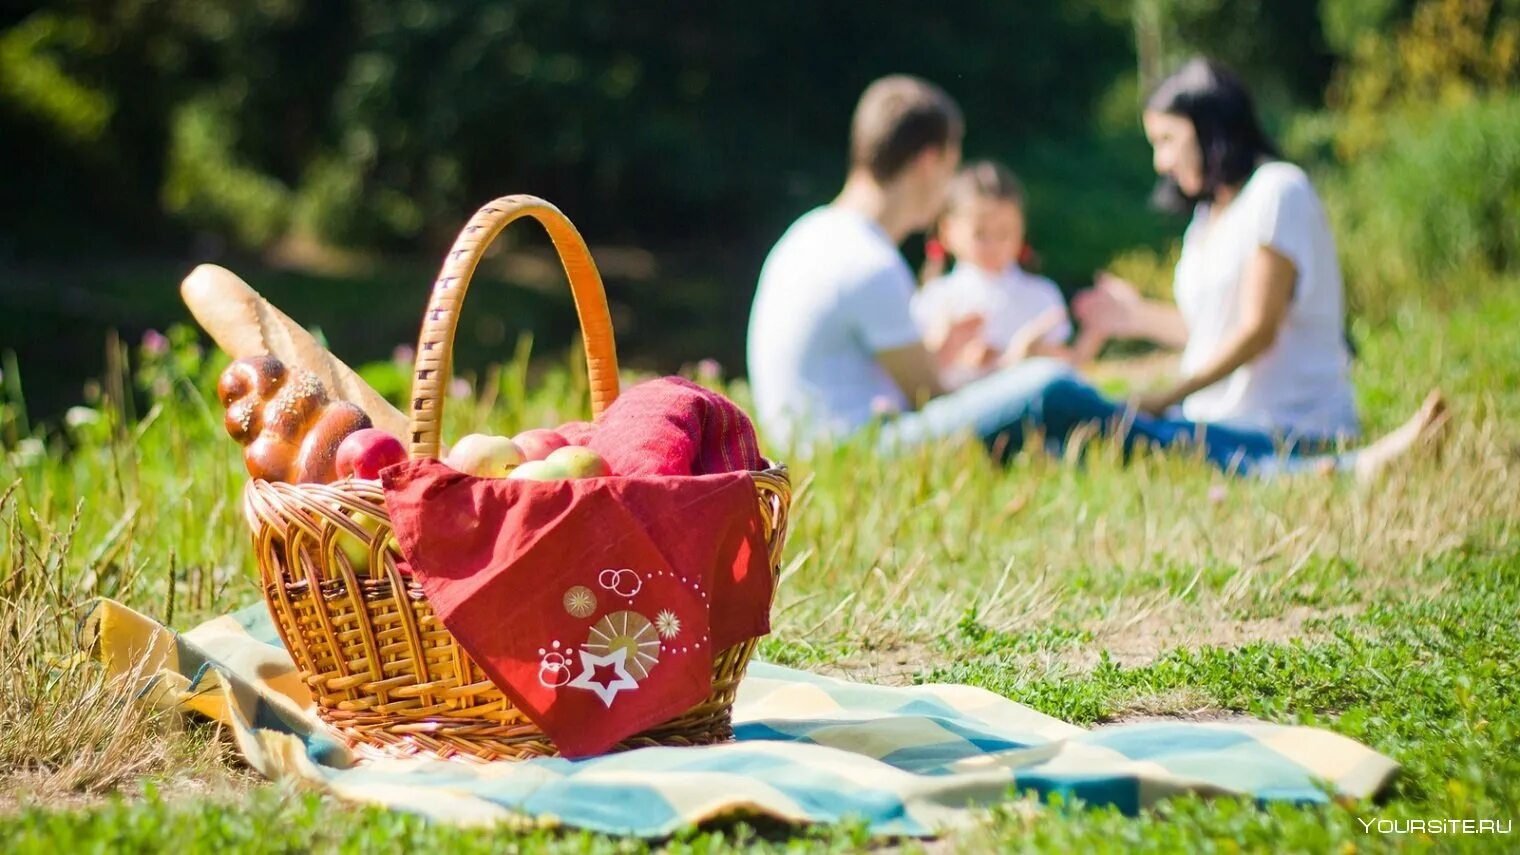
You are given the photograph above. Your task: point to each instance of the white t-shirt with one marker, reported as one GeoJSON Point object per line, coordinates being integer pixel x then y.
{"type": "Point", "coordinates": [1301, 385]}
{"type": "Point", "coordinates": [834, 291]}
{"type": "Point", "coordinates": [1006, 301]}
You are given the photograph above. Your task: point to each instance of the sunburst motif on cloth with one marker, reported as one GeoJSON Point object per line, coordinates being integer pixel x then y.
{"type": "Point", "coordinates": [628, 631]}
{"type": "Point", "coordinates": [667, 623]}
{"type": "Point", "coordinates": [579, 601]}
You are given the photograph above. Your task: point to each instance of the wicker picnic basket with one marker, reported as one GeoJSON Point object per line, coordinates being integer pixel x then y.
{"type": "Point", "coordinates": [382, 669]}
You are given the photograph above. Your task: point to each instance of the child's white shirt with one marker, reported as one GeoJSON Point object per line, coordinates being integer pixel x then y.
{"type": "Point", "coordinates": [1006, 301]}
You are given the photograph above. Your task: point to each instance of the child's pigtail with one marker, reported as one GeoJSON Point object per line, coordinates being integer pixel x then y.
{"type": "Point", "coordinates": [934, 261]}
{"type": "Point", "coordinates": [1029, 260]}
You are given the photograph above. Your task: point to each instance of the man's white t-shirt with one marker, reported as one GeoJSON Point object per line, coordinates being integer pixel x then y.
{"type": "Point", "coordinates": [1301, 385]}
{"type": "Point", "coordinates": [1006, 301]}
{"type": "Point", "coordinates": [833, 292]}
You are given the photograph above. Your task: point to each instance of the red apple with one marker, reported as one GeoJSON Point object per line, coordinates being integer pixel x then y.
{"type": "Point", "coordinates": [539, 443]}
{"type": "Point", "coordinates": [364, 453]}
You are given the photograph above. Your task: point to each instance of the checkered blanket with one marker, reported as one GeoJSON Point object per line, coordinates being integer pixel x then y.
{"type": "Point", "coordinates": [906, 761]}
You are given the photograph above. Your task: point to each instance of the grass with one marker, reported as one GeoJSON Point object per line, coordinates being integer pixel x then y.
{"type": "Point", "coordinates": [1093, 593]}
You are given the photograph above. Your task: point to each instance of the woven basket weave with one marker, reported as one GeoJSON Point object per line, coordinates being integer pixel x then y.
{"type": "Point", "coordinates": [382, 669]}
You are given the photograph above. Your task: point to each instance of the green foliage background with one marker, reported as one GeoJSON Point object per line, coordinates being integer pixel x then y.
{"type": "Point", "coordinates": [140, 136]}
{"type": "Point", "coordinates": [379, 124]}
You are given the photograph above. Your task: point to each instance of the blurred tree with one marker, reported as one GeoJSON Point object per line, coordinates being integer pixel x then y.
{"type": "Point", "coordinates": [1278, 46]}
{"type": "Point", "coordinates": [367, 123]}
{"type": "Point", "coordinates": [1441, 53]}
{"type": "Point", "coordinates": [379, 123]}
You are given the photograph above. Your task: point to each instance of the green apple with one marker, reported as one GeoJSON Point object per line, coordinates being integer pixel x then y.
{"type": "Point", "coordinates": [484, 456]}
{"type": "Point", "coordinates": [539, 470]}
{"type": "Point", "coordinates": [579, 462]}
{"type": "Point", "coordinates": [357, 550]}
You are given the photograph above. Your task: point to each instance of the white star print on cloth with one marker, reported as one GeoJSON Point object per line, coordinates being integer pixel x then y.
{"type": "Point", "coordinates": [608, 690]}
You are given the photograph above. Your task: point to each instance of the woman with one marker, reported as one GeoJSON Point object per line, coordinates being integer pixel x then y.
{"type": "Point", "coordinates": [1259, 316]}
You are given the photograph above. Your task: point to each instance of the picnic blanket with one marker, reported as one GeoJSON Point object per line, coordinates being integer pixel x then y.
{"type": "Point", "coordinates": [906, 761]}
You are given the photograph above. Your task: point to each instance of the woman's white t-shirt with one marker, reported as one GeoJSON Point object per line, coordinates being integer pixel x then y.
{"type": "Point", "coordinates": [1301, 386]}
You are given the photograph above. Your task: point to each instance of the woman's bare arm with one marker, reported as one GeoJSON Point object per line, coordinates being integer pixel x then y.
{"type": "Point", "coordinates": [1161, 323]}
{"type": "Point", "coordinates": [1266, 292]}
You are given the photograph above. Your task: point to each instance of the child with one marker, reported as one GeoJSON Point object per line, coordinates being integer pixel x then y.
{"type": "Point", "coordinates": [1022, 314]}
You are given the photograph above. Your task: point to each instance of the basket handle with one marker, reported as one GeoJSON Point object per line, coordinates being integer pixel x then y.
{"type": "Point", "coordinates": [435, 345]}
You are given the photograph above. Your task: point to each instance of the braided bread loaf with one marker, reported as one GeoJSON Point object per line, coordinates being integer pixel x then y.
{"type": "Point", "coordinates": [289, 427]}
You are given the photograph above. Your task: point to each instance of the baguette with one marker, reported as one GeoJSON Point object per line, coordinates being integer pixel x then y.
{"type": "Point", "coordinates": [245, 325]}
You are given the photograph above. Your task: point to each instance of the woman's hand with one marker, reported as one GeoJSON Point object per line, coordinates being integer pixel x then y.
{"type": "Point", "coordinates": [1112, 305]}
{"type": "Point", "coordinates": [1156, 403]}
{"type": "Point", "coordinates": [1114, 308]}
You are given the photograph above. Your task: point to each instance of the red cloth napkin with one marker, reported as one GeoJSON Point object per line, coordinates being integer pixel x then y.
{"type": "Point", "coordinates": [576, 433]}
{"type": "Point", "coordinates": [671, 426]}
{"type": "Point", "coordinates": [596, 605]}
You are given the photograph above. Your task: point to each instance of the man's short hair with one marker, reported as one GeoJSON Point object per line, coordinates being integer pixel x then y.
{"type": "Point", "coordinates": [897, 118]}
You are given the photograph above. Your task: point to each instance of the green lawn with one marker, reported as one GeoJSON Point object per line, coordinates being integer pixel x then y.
{"type": "Point", "coordinates": [1092, 593]}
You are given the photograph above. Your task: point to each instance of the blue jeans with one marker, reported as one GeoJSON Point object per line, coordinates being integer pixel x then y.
{"type": "Point", "coordinates": [1046, 395]}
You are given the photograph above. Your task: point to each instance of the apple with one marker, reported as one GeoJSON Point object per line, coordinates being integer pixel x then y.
{"type": "Point", "coordinates": [364, 453]}
{"type": "Point", "coordinates": [539, 470]}
{"type": "Point", "coordinates": [358, 550]}
{"type": "Point", "coordinates": [538, 443]}
{"type": "Point", "coordinates": [579, 462]}
{"type": "Point", "coordinates": [484, 456]}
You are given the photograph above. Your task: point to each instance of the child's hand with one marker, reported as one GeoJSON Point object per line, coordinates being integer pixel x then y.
{"type": "Point", "coordinates": [962, 332]}
{"type": "Point", "coordinates": [986, 356]}
{"type": "Point", "coordinates": [978, 356]}
{"type": "Point", "coordinates": [958, 339]}
{"type": "Point", "coordinates": [1031, 334]}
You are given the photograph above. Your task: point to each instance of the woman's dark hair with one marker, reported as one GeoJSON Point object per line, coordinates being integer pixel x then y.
{"type": "Point", "coordinates": [1223, 114]}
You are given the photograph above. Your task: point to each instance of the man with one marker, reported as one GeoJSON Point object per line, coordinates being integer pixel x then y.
{"type": "Point", "coordinates": [832, 344]}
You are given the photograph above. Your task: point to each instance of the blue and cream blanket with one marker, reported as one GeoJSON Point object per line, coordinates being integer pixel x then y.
{"type": "Point", "coordinates": [906, 761]}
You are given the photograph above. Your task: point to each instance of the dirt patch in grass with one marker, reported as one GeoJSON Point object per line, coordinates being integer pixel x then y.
{"type": "Point", "coordinates": [1143, 642]}
{"type": "Point", "coordinates": [894, 665]}
{"type": "Point", "coordinates": [26, 790]}
{"type": "Point", "coordinates": [1131, 645]}
{"type": "Point", "coordinates": [1182, 704]}
{"type": "Point", "coordinates": [1204, 714]}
